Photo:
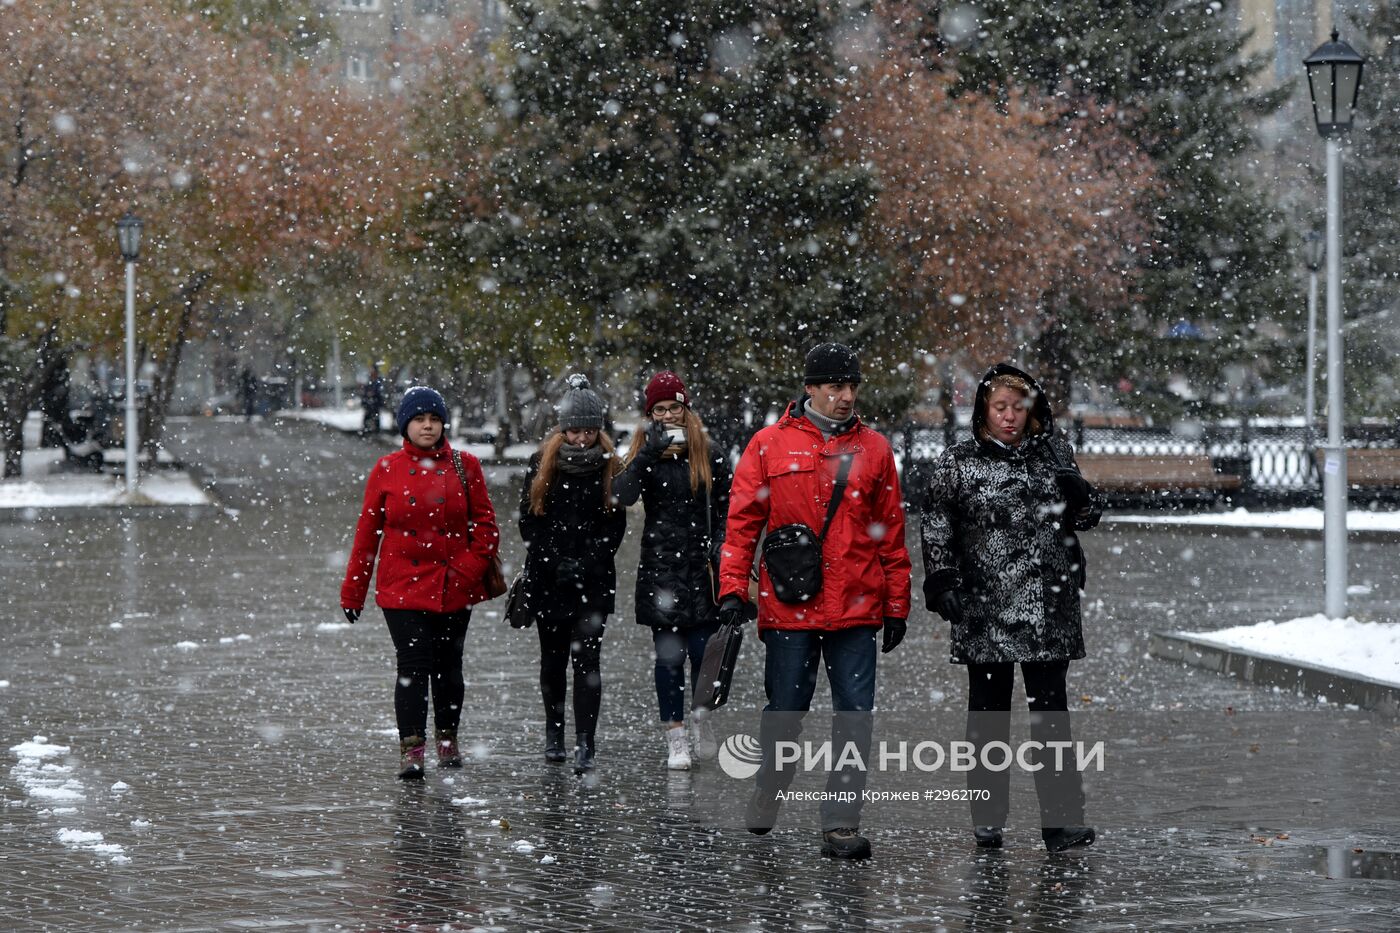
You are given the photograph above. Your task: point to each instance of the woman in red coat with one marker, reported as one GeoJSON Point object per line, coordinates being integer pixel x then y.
{"type": "Point", "coordinates": [429, 519]}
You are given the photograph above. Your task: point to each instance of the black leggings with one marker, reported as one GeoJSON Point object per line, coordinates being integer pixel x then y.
{"type": "Point", "coordinates": [428, 646]}
{"type": "Point", "coordinates": [989, 686]}
{"type": "Point", "coordinates": [581, 640]}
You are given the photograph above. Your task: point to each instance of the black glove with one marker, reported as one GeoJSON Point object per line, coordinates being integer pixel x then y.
{"type": "Point", "coordinates": [894, 633]}
{"type": "Point", "coordinates": [734, 611]}
{"type": "Point", "coordinates": [351, 615]}
{"type": "Point", "coordinates": [948, 606]}
{"type": "Point", "coordinates": [657, 440]}
{"type": "Point", "coordinates": [1073, 487]}
{"type": "Point", "coordinates": [570, 573]}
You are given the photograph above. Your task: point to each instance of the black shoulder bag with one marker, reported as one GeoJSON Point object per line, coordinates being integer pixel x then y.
{"type": "Point", "coordinates": [793, 553]}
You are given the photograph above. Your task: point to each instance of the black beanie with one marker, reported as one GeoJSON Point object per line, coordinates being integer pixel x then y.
{"type": "Point", "coordinates": [831, 362]}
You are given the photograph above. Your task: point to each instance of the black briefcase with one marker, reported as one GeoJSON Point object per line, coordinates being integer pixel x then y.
{"type": "Point", "coordinates": [717, 669]}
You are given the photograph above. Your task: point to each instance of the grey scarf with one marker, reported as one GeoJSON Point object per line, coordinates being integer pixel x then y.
{"type": "Point", "coordinates": [580, 461]}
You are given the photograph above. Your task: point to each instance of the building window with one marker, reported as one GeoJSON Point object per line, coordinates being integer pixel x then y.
{"type": "Point", "coordinates": [362, 6]}
{"type": "Point", "coordinates": [357, 67]}
{"type": "Point", "coordinates": [430, 7]}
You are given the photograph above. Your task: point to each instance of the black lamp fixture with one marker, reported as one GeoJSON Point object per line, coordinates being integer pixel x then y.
{"type": "Point", "coordinates": [129, 236]}
{"type": "Point", "coordinates": [1334, 78]}
{"type": "Point", "coordinates": [1314, 249]}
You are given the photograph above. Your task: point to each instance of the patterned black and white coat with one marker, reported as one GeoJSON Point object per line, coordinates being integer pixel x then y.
{"type": "Point", "coordinates": [997, 530]}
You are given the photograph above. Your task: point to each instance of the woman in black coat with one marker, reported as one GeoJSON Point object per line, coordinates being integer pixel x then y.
{"type": "Point", "coordinates": [685, 489]}
{"type": "Point", "coordinates": [1003, 564]}
{"type": "Point", "coordinates": [572, 530]}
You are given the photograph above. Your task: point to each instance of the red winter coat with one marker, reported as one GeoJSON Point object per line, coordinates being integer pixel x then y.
{"type": "Point", "coordinates": [434, 543]}
{"type": "Point", "coordinates": [786, 475]}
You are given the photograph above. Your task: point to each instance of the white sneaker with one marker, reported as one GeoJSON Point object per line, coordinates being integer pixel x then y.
{"type": "Point", "coordinates": [678, 750]}
{"type": "Point", "coordinates": [702, 737]}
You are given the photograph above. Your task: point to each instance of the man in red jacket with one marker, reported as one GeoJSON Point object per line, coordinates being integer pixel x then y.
{"type": "Point", "coordinates": [787, 475]}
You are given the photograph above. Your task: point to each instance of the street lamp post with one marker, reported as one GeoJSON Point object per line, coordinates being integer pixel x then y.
{"type": "Point", "coordinates": [1334, 77]}
{"type": "Point", "coordinates": [129, 238]}
{"type": "Point", "coordinates": [1312, 256]}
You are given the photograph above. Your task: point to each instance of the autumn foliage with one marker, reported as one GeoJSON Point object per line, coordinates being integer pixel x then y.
{"type": "Point", "coordinates": [992, 212]}
{"type": "Point", "coordinates": [243, 168]}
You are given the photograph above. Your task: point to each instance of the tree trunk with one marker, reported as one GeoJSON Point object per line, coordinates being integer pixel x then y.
{"type": "Point", "coordinates": [20, 386]}
{"type": "Point", "coordinates": [1055, 362]}
{"type": "Point", "coordinates": [163, 390]}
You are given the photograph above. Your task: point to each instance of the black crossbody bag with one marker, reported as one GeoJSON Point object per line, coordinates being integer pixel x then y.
{"type": "Point", "coordinates": [792, 553]}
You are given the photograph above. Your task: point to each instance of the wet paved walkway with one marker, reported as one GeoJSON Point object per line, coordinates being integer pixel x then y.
{"type": "Point", "coordinates": [218, 750]}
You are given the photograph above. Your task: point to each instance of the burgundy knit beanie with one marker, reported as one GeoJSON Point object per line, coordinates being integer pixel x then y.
{"type": "Point", "coordinates": [666, 386]}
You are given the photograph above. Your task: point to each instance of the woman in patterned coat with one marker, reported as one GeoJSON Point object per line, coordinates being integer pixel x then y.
{"type": "Point", "coordinates": [1003, 565]}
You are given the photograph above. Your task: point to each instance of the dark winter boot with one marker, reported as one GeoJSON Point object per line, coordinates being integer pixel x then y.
{"type": "Point", "coordinates": [845, 843]}
{"type": "Point", "coordinates": [583, 754]}
{"type": "Point", "coordinates": [554, 743]}
{"type": "Point", "coordinates": [762, 811]}
{"type": "Point", "coordinates": [988, 837]}
{"type": "Point", "coordinates": [1067, 837]}
{"type": "Point", "coordinates": [448, 754]}
{"type": "Point", "coordinates": [411, 752]}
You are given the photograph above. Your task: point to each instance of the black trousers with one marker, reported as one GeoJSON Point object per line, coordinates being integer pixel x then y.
{"type": "Point", "coordinates": [428, 649]}
{"type": "Point", "coordinates": [1060, 790]}
{"type": "Point", "coordinates": [579, 640]}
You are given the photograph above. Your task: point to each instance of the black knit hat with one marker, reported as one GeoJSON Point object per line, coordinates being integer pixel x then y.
{"type": "Point", "coordinates": [580, 407]}
{"type": "Point", "coordinates": [420, 400]}
{"type": "Point", "coordinates": [831, 362]}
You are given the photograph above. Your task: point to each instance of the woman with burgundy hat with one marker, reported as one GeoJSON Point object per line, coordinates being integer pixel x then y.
{"type": "Point", "coordinates": [572, 529]}
{"type": "Point", "coordinates": [429, 521]}
{"type": "Point", "coordinates": [684, 486]}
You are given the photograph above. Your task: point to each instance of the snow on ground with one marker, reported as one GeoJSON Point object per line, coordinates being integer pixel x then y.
{"type": "Point", "coordinates": [350, 419]}
{"type": "Point", "coordinates": [87, 489]}
{"type": "Point", "coordinates": [1299, 519]}
{"type": "Point", "coordinates": [49, 784]}
{"type": "Point", "coordinates": [1363, 649]}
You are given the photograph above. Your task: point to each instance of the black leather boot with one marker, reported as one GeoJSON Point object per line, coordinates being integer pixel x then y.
{"type": "Point", "coordinates": [988, 837]}
{"type": "Point", "coordinates": [1058, 839]}
{"type": "Point", "coordinates": [554, 742]}
{"type": "Point", "coordinates": [583, 753]}
{"type": "Point", "coordinates": [845, 843]}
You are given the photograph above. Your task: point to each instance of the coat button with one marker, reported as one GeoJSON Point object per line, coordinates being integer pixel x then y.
{"type": "Point", "coordinates": [415, 563]}
{"type": "Point", "coordinates": [412, 501]}
{"type": "Point", "coordinates": [411, 472]}
{"type": "Point", "coordinates": [413, 534]}
{"type": "Point", "coordinates": [441, 500]}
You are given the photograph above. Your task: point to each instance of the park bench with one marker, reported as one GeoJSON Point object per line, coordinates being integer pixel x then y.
{"type": "Point", "coordinates": [1368, 468]}
{"type": "Point", "coordinates": [1133, 475]}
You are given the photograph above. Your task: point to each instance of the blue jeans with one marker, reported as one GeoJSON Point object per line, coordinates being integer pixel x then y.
{"type": "Point", "coordinates": [790, 679]}
{"type": "Point", "coordinates": [673, 646]}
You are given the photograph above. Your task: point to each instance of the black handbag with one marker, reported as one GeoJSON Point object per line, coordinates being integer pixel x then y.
{"type": "Point", "coordinates": [792, 553]}
{"type": "Point", "coordinates": [717, 668]}
{"type": "Point", "coordinates": [516, 613]}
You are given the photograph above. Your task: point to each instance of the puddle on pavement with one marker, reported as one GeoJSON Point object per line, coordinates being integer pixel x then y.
{"type": "Point", "coordinates": [1346, 862]}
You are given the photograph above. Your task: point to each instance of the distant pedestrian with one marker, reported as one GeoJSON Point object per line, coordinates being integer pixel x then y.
{"type": "Point", "coordinates": [822, 488]}
{"type": "Point", "coordinates": [572, 529]}
{"type": "Point", "coordinates": [248, 392]}
{"type": "Point", "coordinates": [684, 486]}
{"type": "Point", "coordinates": [429, 520]}
{"type": "Point", "coordinates": [1003, 564]}
{"type": "Point", "coordinates": [372, 401]}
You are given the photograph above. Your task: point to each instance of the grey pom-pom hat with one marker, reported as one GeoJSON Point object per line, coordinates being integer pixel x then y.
{"type": "Point", "coordinates": [580, 407]}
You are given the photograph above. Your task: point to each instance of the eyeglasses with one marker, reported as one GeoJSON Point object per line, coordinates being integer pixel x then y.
{"type": "Point", "coordinates": [667, 408]}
